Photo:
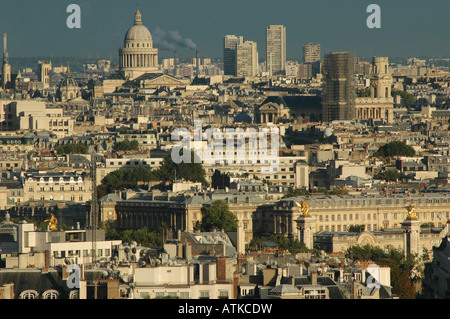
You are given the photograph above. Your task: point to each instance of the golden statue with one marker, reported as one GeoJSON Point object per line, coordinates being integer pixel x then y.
{"type": "Point", "coordinates": [411, 214]}
{"type": "Point", "coordinates": [304, 208]}
{"type": "Point", "coordinates": [52, 222]}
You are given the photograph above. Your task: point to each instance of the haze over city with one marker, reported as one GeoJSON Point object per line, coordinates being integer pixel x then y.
{"type": "Point", "coordinates": [408, 28]}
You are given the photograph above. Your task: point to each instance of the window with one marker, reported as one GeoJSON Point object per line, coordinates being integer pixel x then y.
{"type": "Point", "coordinates": [223, 294]}
{"type": "Point", "coordinates": [29, 294]}
{"type": "Point", "coordinates": [204, 295]}
{"type": "Point", "coordinates": [50, 294]}
{"type": "Point", "coordinates": [74, 294]}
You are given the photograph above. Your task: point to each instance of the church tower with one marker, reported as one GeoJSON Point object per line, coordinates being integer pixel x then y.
{"type": "Point", "coordinates": [6, 69]}
{"type": "Point", "coordinates": [137, 56]}
{"type": "Point", "coordinates": [380, 88]}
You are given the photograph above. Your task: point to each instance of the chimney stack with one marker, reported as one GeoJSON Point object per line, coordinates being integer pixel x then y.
{"type": "Point", "coordinates": [197, 60]}
{"type": "Point", "coordinates": [175, 64]}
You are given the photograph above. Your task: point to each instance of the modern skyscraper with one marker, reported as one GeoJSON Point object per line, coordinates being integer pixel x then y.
{"type": "Point", "coordinates": [247, 59]}
{"type": "Point", "coordinates": [338, 101]}
{"type": "Point", "coordinates": [230, 43]}
{"type": "Point", "coordinates": [6, 69]}
{"type": "Point", "coordinates": [311, 56]}
{"type": "Point", "coordinates": [311, 52]}
{"type": "Point", "coordinates": [276, 49]}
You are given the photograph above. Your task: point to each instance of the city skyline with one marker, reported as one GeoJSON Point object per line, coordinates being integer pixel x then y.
{"type": "Point", "coordinates": [336, 26]}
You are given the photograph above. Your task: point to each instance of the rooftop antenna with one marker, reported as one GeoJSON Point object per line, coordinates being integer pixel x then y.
{"type": "Point", "coordinates": [94, 207]}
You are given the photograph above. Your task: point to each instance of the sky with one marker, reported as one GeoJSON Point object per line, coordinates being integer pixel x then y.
{"type": "Point", "coordinates": [409, 28]}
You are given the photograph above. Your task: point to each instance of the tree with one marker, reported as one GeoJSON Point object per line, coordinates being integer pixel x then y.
{"type": "Point", "coordinates": [192, 171]}
{"type": "Point", "coordinates": [391, 175]}
{"type": "Point", "coordinates": [72, 148]}
{"type": "Point", "coordinates": [126, 178]}
{"type": "Point", "coordinates": [363, 92]}
{"type": "Point", "coordinates": [218, 215]}
{"type": "Point", "coordinates": [407, 98]}
{"type": "Point", "coordinates": [401, 267]}
{"type": "Point", "coordinates": [294, 192]}
{"type": "Point", "coordinates": [395, 148]}
{"type": "Point", "coordinates": [126, 145]}
{"type": "Point", "coordinates": [356, 228]}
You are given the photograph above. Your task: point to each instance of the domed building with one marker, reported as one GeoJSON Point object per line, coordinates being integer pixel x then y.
{"type": "Point", "coordinates": [68, 88]}
{"type": "Point", "coordinates": [138, 55]}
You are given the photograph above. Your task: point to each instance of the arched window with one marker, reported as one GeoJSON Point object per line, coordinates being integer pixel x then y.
{"type": "Point", "coordinates": [29, 294]}
{"type": "Point", "coordinates": [74, 294]}
{"type": "Point", "coordinates": [50, 294]}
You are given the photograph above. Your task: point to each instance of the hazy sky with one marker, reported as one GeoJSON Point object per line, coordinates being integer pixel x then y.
{"type": "Point", "coordinates": [408, 27]}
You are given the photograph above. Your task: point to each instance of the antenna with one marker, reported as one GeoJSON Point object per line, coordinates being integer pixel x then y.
{"type": "Point", "coordinates": [94, 207]}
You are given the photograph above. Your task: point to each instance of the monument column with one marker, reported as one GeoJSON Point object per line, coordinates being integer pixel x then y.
{"type": "Point", "coordinates": [411, 227]}
{"type": "Point", "coordinates": [306, 226]}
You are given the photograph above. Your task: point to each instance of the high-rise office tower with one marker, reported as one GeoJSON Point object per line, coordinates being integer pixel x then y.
{"type": "Point", "coordinates": [6, 69]}
{"type": "Point", "coordinates": [44, 69]}
{"type": "Point", "coordinates": [311, 52]}
{"type": "Point", "coordinates": [276, 49]}
{"type": "Point", "coordinates": [230, 42]}
{"type": "Point", "coordinates": [311, 55]}
{"type": "Point", "coordinates": [247, 59]}
{"type": "Point", "coordinates": [338, 100]}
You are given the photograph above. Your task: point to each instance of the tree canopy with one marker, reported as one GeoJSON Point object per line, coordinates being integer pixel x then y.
{"type": "Point", "coordinates": [407, 98]}
{"type": "Point", "coordinates": [291, 244]}
{"type": "Point", "coordinates": [390, 175]}
{"type": "Point", "coordinates": [401, 266]}
{"type": "Point", "coordinates": [395, 148]}
{"type": "Point", "coordinates": [126, 145]}
{"type": "Point", "coordinates": [72, 148]}
{"type": "Point", "coordinates": [192, 171]}
{"type": "Point", "coordinates": [129, 177]}
{"type": "Point", "coordinates": [218, 215]}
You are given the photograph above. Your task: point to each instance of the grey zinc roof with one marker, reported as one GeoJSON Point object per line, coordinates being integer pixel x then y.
{"type": "Point", "coordinates": [110, 198]}
{"type": "Point", "coordinates": [284, 288]}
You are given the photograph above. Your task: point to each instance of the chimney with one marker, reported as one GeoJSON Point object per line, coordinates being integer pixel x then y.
{"type": "Point", "coordinates": [175, 64]}
{"type": "Point", "coordinates": [197, 62]}
{"type": "Point", "coordinates": [314, 278]}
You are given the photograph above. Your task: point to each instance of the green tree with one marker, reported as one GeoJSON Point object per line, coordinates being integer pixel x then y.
{"type": "Point", "coordinates": [72, 148]}
{"type": "Point", "coordinates": [192, 171]}
{"type": "Point", "coordinates": [363, 92]}
{"type": "Point", "coordinates": [126, 178]}
{"type": "Point", "coordinates": [407, 98]}
{"type": "Point", "coordinates": [395, 148]}
{"type": "Point", "coordinates": [356, 228]}
{"type": "Point", "coordinates": [126, 145]}
{"type": "Point", "coordinates": [294, 192]}
{"type": "Point", "coordinates": [291, 244]}
{"type": "Point", "coordinates": [218, 215]}
{"type": "Point", "coordinates": [390, 175]}
{"type": "Point", "coordinates": [401, 266]}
